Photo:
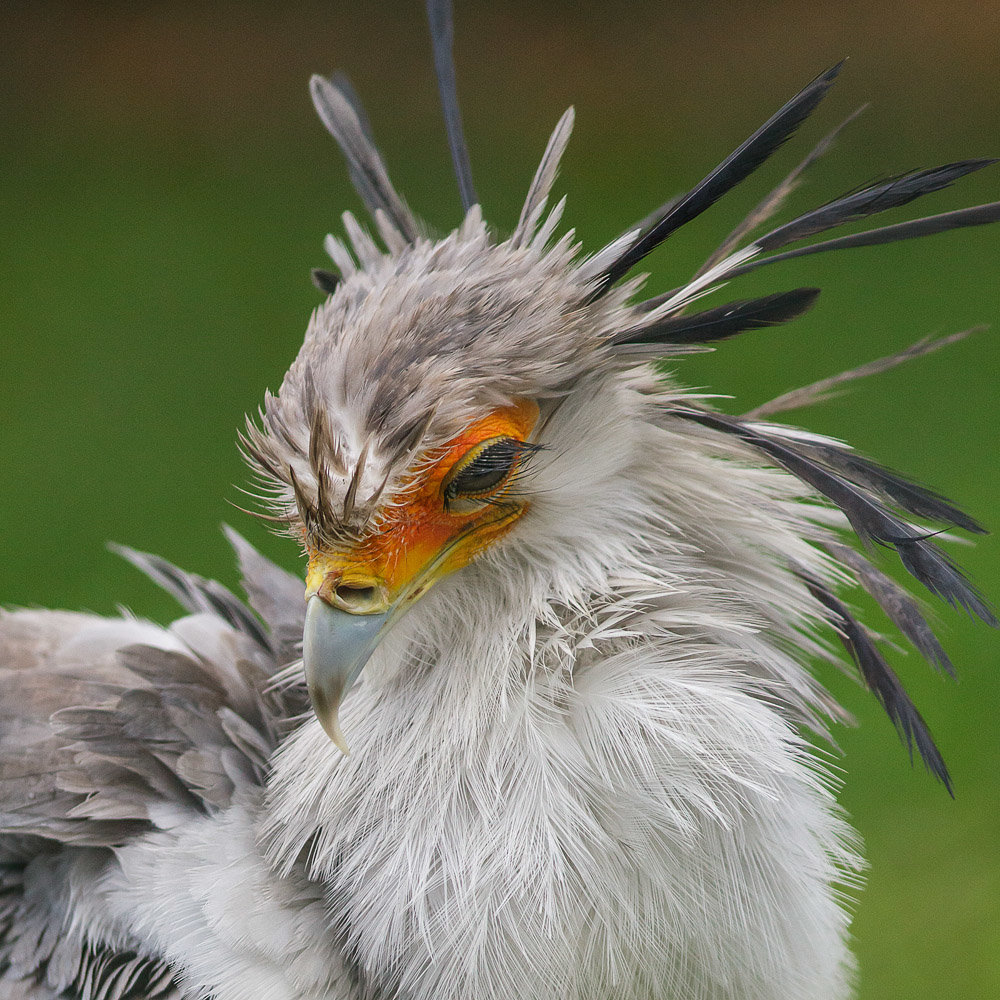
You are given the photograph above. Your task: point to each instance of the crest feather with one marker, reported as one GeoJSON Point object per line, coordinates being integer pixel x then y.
{"type": "Point", "coordinates": [368, 173]}
{"type": "Point", "coordinates": [545, 177]}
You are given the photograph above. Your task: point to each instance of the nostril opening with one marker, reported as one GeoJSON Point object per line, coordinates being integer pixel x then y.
{"type": "Point", "coordinates": [356, 596]}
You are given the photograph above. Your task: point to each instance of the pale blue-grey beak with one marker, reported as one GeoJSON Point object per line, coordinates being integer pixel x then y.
{"type": "Point", "coordinates": [336, 645]}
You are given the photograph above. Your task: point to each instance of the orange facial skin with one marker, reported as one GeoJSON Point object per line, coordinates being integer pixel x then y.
{"type": "Point", "coordinates": [422, 538]}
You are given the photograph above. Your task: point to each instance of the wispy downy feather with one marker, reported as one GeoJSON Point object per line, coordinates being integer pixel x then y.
{"type": "Point", "coordinates": [825, 388]}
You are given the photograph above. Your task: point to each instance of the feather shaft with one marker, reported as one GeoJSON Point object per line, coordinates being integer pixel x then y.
{"type": "Point", "coordinates": [824, 388]}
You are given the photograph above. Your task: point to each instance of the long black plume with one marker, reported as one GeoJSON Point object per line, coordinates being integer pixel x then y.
{"type": "Point", "coordinates": [724, 321]}
{"type": "Point", "coordinates": [735, 168]}
{"type": "Point", "coordinates": [859, 501]}
{"type": "Point", "coordinates": [442, 38]}
{"type": "Point", "coordinates": [872, 521]}
{"type": "Point", "coordinates": [882, 681]}
{"type": "Point", "coordinates": [869, 200]}
{"type": "Point", "coordinates": [774, 199]}
{"type": "Point", "coordinates": [914, 498]}
{"type": "Point", "coordinates": [935, 570]}
{"type": "Point", "coordinates": [899, 606]}
{"type": "Point", "coordinates": [930, 225]}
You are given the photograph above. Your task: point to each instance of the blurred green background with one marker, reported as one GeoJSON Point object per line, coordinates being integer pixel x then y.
{"type": "Point", "coordinates": [164, 189]}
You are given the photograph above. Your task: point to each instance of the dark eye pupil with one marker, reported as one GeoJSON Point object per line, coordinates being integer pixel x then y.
{"type": "Point", "coordinates": [486, 471]}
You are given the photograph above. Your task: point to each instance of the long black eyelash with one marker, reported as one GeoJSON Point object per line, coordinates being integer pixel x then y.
{"type": "Point", "coordinates": [510, 491]}
{"type": "Point", "coordinates": [517, 463]}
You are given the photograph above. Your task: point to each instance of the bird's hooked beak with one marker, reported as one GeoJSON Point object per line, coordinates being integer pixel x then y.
{"type": "Point", "coordinates": [336, 644]}
{"type": "Point", "coordinates": [349, 609]}
{"type": "Point", "coordinates": [350, 606]}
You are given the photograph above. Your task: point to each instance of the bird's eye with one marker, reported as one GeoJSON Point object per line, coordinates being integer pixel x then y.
{"type": "Point", "coordinates": [484, 469]}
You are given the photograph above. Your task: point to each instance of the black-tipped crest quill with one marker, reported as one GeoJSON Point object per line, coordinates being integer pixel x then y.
{"type": "Point", "coordinates": [735, 168]}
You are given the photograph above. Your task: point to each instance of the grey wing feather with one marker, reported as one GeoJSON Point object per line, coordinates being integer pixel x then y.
{"type": "Point", "coordinates": [110, 728]}
{"type": "Point", "coordinates": [195, 593]}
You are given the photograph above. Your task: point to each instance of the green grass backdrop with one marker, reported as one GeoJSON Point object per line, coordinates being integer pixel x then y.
{"type": "Point", "coordinates": [164, 189]}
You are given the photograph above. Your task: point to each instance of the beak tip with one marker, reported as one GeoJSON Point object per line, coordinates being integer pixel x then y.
{"type": "Point", "coordinates": [326, 708]}
{"type": "Point", "coordinates": [331, 726]}
{"type": "Point", "coordinates": [335, 646]}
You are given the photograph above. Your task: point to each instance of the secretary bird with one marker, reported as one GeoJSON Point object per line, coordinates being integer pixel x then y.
{"type": "Point", "coordinates": [559, 640]}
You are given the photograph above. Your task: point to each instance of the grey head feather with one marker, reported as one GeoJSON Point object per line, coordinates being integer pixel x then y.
{"type": "Point", "coordinates": [545, 177]}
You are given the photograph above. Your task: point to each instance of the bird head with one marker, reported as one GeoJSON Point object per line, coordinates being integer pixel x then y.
{"type": "Point", "coordinates": [412, 433]}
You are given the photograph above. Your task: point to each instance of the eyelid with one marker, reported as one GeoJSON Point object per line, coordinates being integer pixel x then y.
{"type": "Point", "coordinates": [466, 460]}
{"type": "Point", "coordinates": [520, 449]}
